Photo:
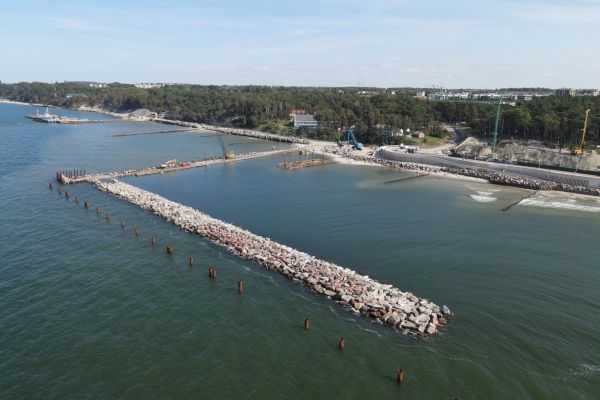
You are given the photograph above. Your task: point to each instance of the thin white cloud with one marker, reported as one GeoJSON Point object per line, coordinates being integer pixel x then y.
{"type": "Point", "coordinates": [76, 24]}
{"type": "Point", "coordinates": [299, 32]}
{"type": "Point", "coordinates": [581, 12]}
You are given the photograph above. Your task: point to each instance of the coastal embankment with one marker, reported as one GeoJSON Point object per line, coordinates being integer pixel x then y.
{"type": "Point", "coordinates": [363, 295]}
{"type": "Point", "coordinates": [497, 178]}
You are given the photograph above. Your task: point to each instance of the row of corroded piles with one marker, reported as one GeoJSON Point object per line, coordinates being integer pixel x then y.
{"type": "Point", "coordinates": [384, 303]}
{"type": "Point", "coordinates": [71, 174]}
{"type": "Point", "coordinates": [496, 178]}
{"type": "Point", "coordinates": [212, 273]}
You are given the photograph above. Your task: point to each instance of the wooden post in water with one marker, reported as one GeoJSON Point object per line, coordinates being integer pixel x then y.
{"type": "Point", "coordinates": [137, 231]}
{"type": "Point", "coordinates": [241, 287]}
{"type": "Point", "coordinates": [341, 344]}
{"type": "Point", "coordinates": [76, 199]}
{"type": "Point", "coordinates": [107, 216]}
{"type": "Point", "coordinates": [122, 223]}
{"type": "Point", "coordinates": [153, 241]}
{"type": "Point", "coordinates": [50, 186]}
{"type": "Point", "coordinates": [306, 324]}
{"type": "Point", "coordinates": [86, 205]}
{"type": "Point", "coordinates": [169, 249]}
{"type": "Point", "coordinates": [400, 375]}
{"type": "Point", "coordinates": [190, 261]}
{"type": "Point", "coordinates": [97, 211]}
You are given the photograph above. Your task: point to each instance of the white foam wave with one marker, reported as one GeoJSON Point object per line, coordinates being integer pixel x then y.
{"type": "Point", "coordinates": [483, 199]}
{"type": "Point", "coordinates": [559, 205]}
{"type": "Point", "coordinates": [487, 189]}
{"type": "Point", "coordinates": [485, 194]}
{"type": "Point", "coordinates": [587, 370]}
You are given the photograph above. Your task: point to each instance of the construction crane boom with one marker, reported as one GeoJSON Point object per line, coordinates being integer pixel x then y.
{"type": "Point", "coordinates": [580, 149]}
{"type": "Point", "coordinates": [228, 155]}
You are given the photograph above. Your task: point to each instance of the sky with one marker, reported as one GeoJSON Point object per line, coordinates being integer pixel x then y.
{"type": "Point", "coordinates": [384, 43]}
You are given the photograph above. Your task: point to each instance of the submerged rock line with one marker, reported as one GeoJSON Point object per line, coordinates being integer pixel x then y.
{"type": "Point", "coordinates": [382, 302]}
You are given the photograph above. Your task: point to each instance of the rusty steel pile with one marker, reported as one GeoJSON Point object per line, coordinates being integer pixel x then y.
{"type": "Point", "coordinates": [363, 295]}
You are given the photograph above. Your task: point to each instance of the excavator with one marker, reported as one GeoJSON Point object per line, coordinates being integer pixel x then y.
{"type": "Point", "coordinates": [578, 150]}
{"type": "Point", "coordinates": [228, 155]}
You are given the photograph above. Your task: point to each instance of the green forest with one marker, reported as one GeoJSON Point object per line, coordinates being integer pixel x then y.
{"type": "Point", "coordinates": [554, 120]}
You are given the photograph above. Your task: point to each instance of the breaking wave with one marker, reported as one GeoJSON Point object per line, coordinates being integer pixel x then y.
{"type": "Point", "coordinates": [586, 370]}
{"type": "Point", "coordinates": [564, 205]}
{"type": "Point", "coordinates": [483, 199]}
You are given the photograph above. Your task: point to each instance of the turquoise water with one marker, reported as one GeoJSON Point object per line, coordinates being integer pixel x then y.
{"type": "Point", "coordinates": [90, 311]}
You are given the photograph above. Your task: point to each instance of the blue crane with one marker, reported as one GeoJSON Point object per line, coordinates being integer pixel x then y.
{"type": "Point", "coordinates": [351, 139]}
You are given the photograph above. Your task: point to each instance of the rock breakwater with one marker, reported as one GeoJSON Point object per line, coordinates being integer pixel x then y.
{"type": "Point", "coordinates": [161, 169]}
{"type": "Point", "coordinates": [234, 131]}
{"type": "Point", "coordinates": [363, 295]}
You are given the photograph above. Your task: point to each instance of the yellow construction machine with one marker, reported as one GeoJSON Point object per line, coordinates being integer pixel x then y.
{"type": "Point", "coordinates": [577, 150]}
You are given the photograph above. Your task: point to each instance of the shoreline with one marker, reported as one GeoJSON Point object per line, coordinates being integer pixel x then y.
{"type": "Point", "coordinates": [329, 148]}
{"type": "Point", "coordinates": [437, 174]}
{"type": "Point", "coordinates": [20, 103]}
{"type": "Point", "coordinates": [495, 178]}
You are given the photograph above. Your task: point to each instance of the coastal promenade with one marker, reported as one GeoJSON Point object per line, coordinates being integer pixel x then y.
{"type": "Point", "coordinates": [569, 179]}
{"type": "Point", "coordinates": [417, 163]}
{"type": "Point", "coordinates": [383, 303]}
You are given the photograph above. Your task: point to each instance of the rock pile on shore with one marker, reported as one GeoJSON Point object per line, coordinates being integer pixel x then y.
{"type": "Point", "coordinates": [234, 131]}
{"type": "Point", "coordinates": [361, 294]}
{"type": "Point", "coordinates": [496, 178]}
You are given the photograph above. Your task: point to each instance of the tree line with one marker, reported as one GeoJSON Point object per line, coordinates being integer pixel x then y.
{"type": "Point", "coordinates": [554, 120]}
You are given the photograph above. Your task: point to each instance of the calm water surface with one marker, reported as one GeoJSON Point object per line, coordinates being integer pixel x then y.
{"type": "Point", "coordinates": [90, 311]}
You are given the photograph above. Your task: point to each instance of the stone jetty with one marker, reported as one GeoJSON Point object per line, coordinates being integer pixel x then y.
{"type": "Point", "coordinates": [70, 177]}
{"type": "Point", "coordinates": [233, 131]}
{"type": "Point", "coordinates": [383, 303]}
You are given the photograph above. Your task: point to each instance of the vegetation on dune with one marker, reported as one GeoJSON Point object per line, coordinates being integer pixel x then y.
{"type": "Point", "coordinates": [555, 120]}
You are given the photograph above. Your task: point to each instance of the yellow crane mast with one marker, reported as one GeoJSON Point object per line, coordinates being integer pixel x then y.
{"type": "Point", "coordinates": [580, 149]}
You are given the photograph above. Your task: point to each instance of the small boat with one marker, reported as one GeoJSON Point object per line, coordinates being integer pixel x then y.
{"type": "Point", "coordinates": [45, 117]}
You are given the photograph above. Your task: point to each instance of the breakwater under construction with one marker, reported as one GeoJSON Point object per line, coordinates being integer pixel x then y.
{"type": "Point", "coordinates": [79, 176]}
{"type": "Point", "coordinates": [384, 303]}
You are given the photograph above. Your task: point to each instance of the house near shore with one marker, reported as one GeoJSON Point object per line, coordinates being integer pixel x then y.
{"type": "Point", "coordinates": [418, 134]}
{"type": "Point", "coordinates": [305, 121]}
{"type": "Point", "coordinates": [385, 130]}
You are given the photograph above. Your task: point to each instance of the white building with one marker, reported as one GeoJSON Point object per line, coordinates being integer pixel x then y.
{"type": "Point", "coordinates": [305, 121]}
